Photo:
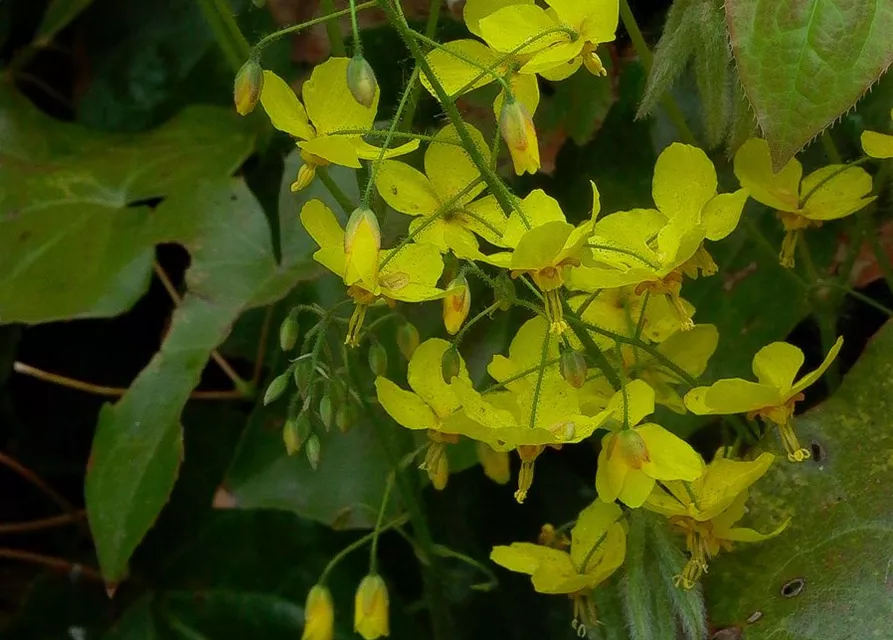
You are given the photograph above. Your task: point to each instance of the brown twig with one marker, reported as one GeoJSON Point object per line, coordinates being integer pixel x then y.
{"type": "Point", "coordinates": [38, 482]}
{"type": "Point", "coordinates": [243, 388]}
{"type": "Point", "coordinates": [60, 564]}
{"type": "Point", "coordinates": [109, 392]}
{"type": "Point", "coordinates": [43, 523]}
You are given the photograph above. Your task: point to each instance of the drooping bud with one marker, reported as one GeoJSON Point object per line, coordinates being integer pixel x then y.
{"type": "Point", "coordinates": [456, 304]}
{"type": "Point", "coordinates": [295, 432]}
{"type": "Point", "coordinates": [370, 618]}
{"type": "Point", "coordinates": [303, 373]}
{"type": "Point", "coordinates": [345, 416]}
{"type": "Point", "coordinates": [288, 331]}
{"type": "Point", "coordinates": [326, 412]}
{"type": "Point", "coordinates": [312, 450]}
{"type": "Point", "coordinates": [248, 85]}
{"type": "Point", "coordinates": [407, 339]}
{"type": "Point", "coordinates": [361, 80]}
{"type": "Point", "coordinates": [378, 359]}
{"type": "Point", "coordinates": [516, 127]}
{"type": "Point", "coordinates": [277, 388]}
{"type": "Point", "coordinates": [319, 615]}
{"type": "Point", "coordinates": [495, 463]}
{"type": "Point", "coordinates": [449, 364]}
{"type": "Point", "coordinates": [573, 368]}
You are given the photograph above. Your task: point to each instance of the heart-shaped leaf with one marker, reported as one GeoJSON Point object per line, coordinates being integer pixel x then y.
{"type": "Point", "coordinates": [805, 62]}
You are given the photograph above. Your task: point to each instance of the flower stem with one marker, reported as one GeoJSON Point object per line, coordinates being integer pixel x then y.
{"type": "Point", "coordinates": [219, 17]}
{"type": "Point", "coordinates": [356, 544]}
{"type": "Point", "coordinates": [357, 42]}
{"type": "Point", "coordinates": [483, 314]}
{"type": "Point", "coordinates": [346, 204]}
{"type": "Point", "coordinates": [385, 499]}
{"type": "Point", "coordinates": [336, 42]}
{"type": "Point", "coordinates": [430, 30]}
{"type": "Point", "coordinates": [644, 53]}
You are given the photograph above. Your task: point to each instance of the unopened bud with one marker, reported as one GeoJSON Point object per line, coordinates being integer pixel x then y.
{"type": "Point", "coordinates": [247, 87]}
{"type": "Point", "coordinates": [516, 127]}
{"type": "Point", "coordinates": [370, 617]}
{"type": "Point", "coordinates": [303, 372]}
{"type": "Point", "coordinates": [319, 615]}
{"type": "Point", "coordinates": [277, 388]}
{"type": "Point", "coordinates": [295, 432]}
{"type": "Point", "coordinates": [361, 80]}
{"type": "Point", "coordinates": [573, 368]}
{"type": "Point", "coordinates": [456, 304]}
{"type": "Point", "coordinates": [361, 224]}
{"type": "Point", "coordinates": [439, 472]}
{"type": "Point", "coordinates": [378, 359]}
{"type": "Point", "coordinates": [288, 332]}
{"type": "Point", "coordinates": [449, 364]}
{"type": "Point", "coordinates": [345, 416]}
{"type": "Point", "coordinates": [407, 339]}
{"type": "Point", "coordinates": [632, 448]}
{"type": "Point", "coordinates": [326, 412]}
{"type": "Point", "coordinates": [312, 450]}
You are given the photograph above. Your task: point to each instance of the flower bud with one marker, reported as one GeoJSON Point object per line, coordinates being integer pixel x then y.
{"type": "Point", "coordinates": [305, 176]}
{"type": "Point", "coordinates": [573, 368]}
{"type": "Point", "coordinates": [407, 339]}
{"type": "Point", "coordinates": [361, 80]}
{"type": "Point", "coordinates": [303, 371]}
{"type": "Point", "coordinates": [288, 332]}
{"type": "Point", "coordinates": [495, 463]}
{"type": "Point", "coordinates": [247, 87]}
{"type": "Point", "coordinates": [362, 220]}
{"type": "Point", "coordinates": [312, 450]}
{"type": "Point", "coordinates": [378, 359]}
{"type": "Point", "coordinates": [449, 364]}
{"type": "Point", "coordinates": [326, 412]}
{"type": "Point", "coordinates": [517, 130]}
{"type": "Point", "coordinates": [631, 447]}
{"type": "Point", "coordinates": [277, 388]}
{"type": "Point", "coordinates": [456, 305]}
{"type": "Point", "coordinates": [295, 432]}
{"type": "Point", "coordinates": [439, 472]}
{"type": "Point", "coordinates": [345, 416]}
{"type": "Point", "coordinates": [370, 618]}
{"type": "Point", "coordinates": [319, 615]}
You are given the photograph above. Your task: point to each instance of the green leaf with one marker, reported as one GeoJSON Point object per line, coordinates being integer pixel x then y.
{"type": "Point", "coordinates": [138, 444]}
{"type": "Point", "coordinates": [805, 62]}
{"type": "Point", "coordinates": [649, 614]}
{"type": "Point", "coordinates": [229, 614]}
{"type": "Point", "coordinates": [839, 539]}
{"type": "Point", "coordinates": [57, 17]}
{"type": "Point", "coordinates": [74, 241]}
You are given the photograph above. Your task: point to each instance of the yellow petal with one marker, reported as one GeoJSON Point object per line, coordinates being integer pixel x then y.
{"type": "Point", "coordinates": [753, 167]}
{"type": "Point", "coordinates": [877, 145]}
{"type": "Point", "coordinates": [510, 27]}
{"type": "Point", "coordinates": [323, 227]}
{"type": "Point", "coordinates": [724, 480]}
{"type": "Point", "coordinates": [329, 103]}
{"type": "Point", "coordinates": [406, 189]}
{"type": "Point", "coordinates": [523, 557]}
{"type": "Point", "coordinates": [777, 364]}
{"type": "Point", "coordinates": [599, 523]}
{"type": "Point", "coordinates": [639, 398]}
{"type": "Point", "coordinates": [559, 55]}
{"type": "Point", "coordinates": [540, 247]}
{"type": "Point", "coordinates": [368, 151]}
{"type": "Point", "coordinates": [449, 167]}
{"type": "Point", "coordinates": [838, 196]}
{"type": "Point", "coordinates": [743, 534]}
{"type": "Point", "coordinates": [637, 486]}
{"type": "Point", "coordinates": [283, 107]}
{"type": "Point", "coordinates": [426, 379]}
{"type": "Point", "coordinates": [525, 90]}
{"type": "Point", "coordinates": [665, 503]}
{"type": "Point", "coordinates": [596, 20]}
{"type": "Point", "coordinates": [670, 457]}
{"type": "Point", "coordinates": [421, 265]}
{"type": "Point", "coordinates": [538, 208]}
{"type": "Point", "coordinates": [335, 149]}
{"type": "Point", "coordinates": [684, 180]}
{"type": "Point", "coordinates": [454, 74]}
{"type": "Point", "coordinates": [477, 10]}
{"type": "Point", "coordinates": [405, 407]}
{"type": "Point", "coordinates": [732, 395]}
{"type": "Point", "coordinates": [610, 473]}
{"type": "Point", "coordinates": [813, 376]}
{"type": "Point", "coordinates": [361, 261]}
{"type": "Point", "coordinates": [691, 350]}
{"type": "Point", "coordinates": [485, 217]}
{"type": "Point", "coordinates": [562, 71]}
{"type": "Point", "coordinates": [722, 213]}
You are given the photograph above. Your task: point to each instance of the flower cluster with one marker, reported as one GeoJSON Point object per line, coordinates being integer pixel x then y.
{"type": "Point", "coordinates": [607, 335]}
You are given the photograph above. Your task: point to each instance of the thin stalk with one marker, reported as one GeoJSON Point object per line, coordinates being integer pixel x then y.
{"type": "Point", "coordinates": [430, 30]}
{"type": "Point", "coordinates": [219, 17]}
{"type": "Point", "coordinates": [855, 294]}
{"type": "Point", "coordinates": [540, 374]}
{"type": "Point", "coordinates": [471, 62]}
{"type": "Point", "coordinates": [43, 523]}
{"type": "Point", "coordinates": [357, 42]}
{"type": "Point", "coordinates": [384, 133]}
{"type": "Point", "coordinates": [385, 499]}
{"type": "Point", "coordinates": [358, 543]}
{"type": "Point", "coordinates": [346, 204]}
{"type": "Point", "coordinates": [73, 569]}
{"type": "Point", "coordinates": [14, 465]}
{"type": "Point", "coordinates": [336, 42]}
{"type": "Point", "coordinates": [830, 148]}
{"type": "Point", "coordinates": [332, 15]}
{"type": "Point", "coordinates": [644, 53]}
{"type": "Point", "coordinates": [483, 314]}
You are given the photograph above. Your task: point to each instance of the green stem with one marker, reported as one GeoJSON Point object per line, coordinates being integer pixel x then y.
{"type": "Point", "coordinates": [518, 376]}
{"type": "Point", "coordinates": [357, 42]}
{"type": "Point", "coordinates": [540, 374]}
{"type": "Point", "coordinates": [483, 314]}
{"type": "Point", "coordinates": [467, 60]}
{"type": "Point", "coordinates": [341, 198]}
{"type": "Point", "coordinates": [219, 17]}
{"type": "Point", "coordinates": [499, 190]}
{"type": "Point", "coordinates": [644, 53]}
{"type": "Point", "coordinates": [336, 42]}
{"type": "Point", "coordinates": [328, 18]}
{"type": "Point", "coordinates": [384, 133]}
{"type": "Point", "coordinates": [356, 544]}
{"type": "Point", "coordinates": [430, 30]}
{"type": "Point", "coordinates": [373, 551]}
{"type": "Point", "coordinates": [830, 148]}
{"type": "Point", "coordinates": [592, 349]}
{"type": "Point", "coordinates": [626, 252]}
{"type": "Point", "coordinates": [492, 581]}
{"type": "Point", "coordinates": [855, 294]}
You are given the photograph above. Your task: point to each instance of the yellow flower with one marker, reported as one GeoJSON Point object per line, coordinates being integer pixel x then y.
{"type": "Point", "coordinates": [408, 275]}
{"type": "Point", "coordinates": [330, 108]}
{"type": "Point", "coordinates": [449, 172]}
{"type": "Point", "coordinates": [634, 456]}
{"type": "Point", "coordinates": [370, 618]}
{"type": "Point", "coordinates": [707, 510]}
{"type": "Point", "coordinates": [878, 145]}
{"type": "Point", "coordinates": [319, 615]}
{"type": "Point", "coordinates": [594, 22]}
{"type": "Point", "coordinates": [516, 128]}
{"type": "Point", "coordinates": [829, 193]}
{"type": "Point", "coordinates": [597, 549]}
{"type": "Point", "coordinates": [547, 250]}
{"type": "Point", "coordinates": [772, 398]}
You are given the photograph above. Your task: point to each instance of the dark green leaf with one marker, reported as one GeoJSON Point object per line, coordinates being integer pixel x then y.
{"type": "Point", "coordinates": [231, 614]}
{"type": "Point", "coordinates": [137, 447]}
{"type": "Point", "coordinates": [828, 575]}
{"type": "Point", "coordinates": [73, 243]}
{"type": "Point", "coordinates": [805, 62]}
{"type": "Point", "coordinates": [57, 17]}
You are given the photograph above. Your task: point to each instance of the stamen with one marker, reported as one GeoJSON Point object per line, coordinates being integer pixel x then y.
{"type": "Point", "coordinates": [356, 323]}
{"type": "Point", "coordinates": [788, 247]}
{"type": "Point", "coordinates": [796, 453]}
{"type": "Point", "coordinates": [555, 312]}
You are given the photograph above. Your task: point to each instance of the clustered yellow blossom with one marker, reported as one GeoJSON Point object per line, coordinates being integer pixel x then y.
{"type": "Point", "coordinates": [607, 336]}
